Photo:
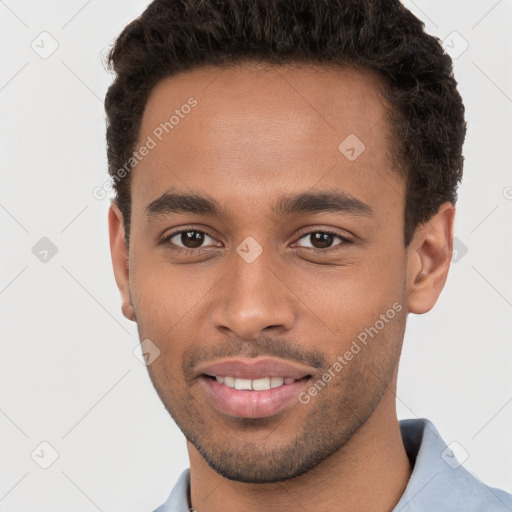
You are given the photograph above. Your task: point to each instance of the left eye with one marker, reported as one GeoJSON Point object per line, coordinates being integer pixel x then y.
{"type": "Point", "coordinates": [322, 239]}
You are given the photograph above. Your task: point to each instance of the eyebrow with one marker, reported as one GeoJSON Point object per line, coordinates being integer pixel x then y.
{"type": "Point", "coordinates": [335, 201]}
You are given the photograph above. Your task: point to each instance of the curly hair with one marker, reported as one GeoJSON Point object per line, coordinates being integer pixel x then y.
{"type": "Point", "coordinates": [426, 116]}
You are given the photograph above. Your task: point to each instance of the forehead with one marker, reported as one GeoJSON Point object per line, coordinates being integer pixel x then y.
{"type": "Point", "coordinates": [261, 98]}
{"type": "Point", "coordinates": [259, 127]}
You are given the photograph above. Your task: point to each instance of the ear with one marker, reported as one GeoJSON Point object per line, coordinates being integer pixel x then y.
{"type": "Point", "coordinates": [428, 260]}
{"type": "Point", "coordinates": [120, 258]}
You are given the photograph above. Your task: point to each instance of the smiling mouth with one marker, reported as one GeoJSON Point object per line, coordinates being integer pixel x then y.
{"type": "Point", "coordinates": [261, 384]}
{"type": "Point", "coordinates": [252, 398]}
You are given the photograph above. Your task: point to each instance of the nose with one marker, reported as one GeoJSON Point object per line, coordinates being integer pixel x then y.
{"type": "Point", "coordinates": [253, 297]}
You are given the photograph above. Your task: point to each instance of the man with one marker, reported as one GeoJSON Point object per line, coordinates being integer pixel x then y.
{"type": "Point", "coordinates": [285, 177]}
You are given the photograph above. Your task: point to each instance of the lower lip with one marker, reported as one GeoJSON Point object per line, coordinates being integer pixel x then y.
{"type": "Point", "coordinates": [252, 404]}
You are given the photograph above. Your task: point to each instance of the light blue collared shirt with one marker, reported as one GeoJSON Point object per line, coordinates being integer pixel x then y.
{"type": "Point", "coordinates": [438, 482]}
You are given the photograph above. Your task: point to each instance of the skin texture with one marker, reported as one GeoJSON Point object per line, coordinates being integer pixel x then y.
{"type": "Point", "coordinates": [258, 132]}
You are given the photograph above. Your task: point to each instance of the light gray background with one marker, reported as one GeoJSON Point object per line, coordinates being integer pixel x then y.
{"type": "Point", "coordinates": [68, 375]}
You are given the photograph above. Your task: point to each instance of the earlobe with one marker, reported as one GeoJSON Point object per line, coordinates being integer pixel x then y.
{"type": "Point", "coordinates": [128, 311]}
{"type": "Point", "coordinates": [429, 256]}
{"type": "Point", "coordinates": [119, 257]}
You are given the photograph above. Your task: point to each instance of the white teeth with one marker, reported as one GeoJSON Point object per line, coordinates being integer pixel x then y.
{"type": "Point", "coordinates": [275, 382]}
{"type": "Point", "coordinates": [262, 384]}
{"type": "Point", "coordinates": [243, 384]}
{"type": "Point", "coordinates": [229, 381]}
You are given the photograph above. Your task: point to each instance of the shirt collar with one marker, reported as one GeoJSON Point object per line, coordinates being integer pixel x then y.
{"type": "Point", "coordinates": [439, 481]}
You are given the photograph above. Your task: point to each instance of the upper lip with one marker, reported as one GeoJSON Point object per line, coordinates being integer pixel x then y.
{"type": "Point", "coordinates": [244, 368]}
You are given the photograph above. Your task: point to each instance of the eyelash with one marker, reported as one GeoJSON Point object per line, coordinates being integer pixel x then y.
{"type": "Point", "coordinates": [166, 241]}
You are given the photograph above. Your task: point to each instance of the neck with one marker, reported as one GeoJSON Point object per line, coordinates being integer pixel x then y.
{"type": "Point", "coordinates": [369, 473]}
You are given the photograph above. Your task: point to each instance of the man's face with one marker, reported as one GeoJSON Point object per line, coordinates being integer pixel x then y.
{"type": "Point", "coordinates": [263, 285]}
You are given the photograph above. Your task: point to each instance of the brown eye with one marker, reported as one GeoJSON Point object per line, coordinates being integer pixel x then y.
{"type": "Point", "coordinates": [319, 240]}
{"type": "Point", "coordinates": [192, 239]}
{"type": "Point", "coordinates": [187, 239]}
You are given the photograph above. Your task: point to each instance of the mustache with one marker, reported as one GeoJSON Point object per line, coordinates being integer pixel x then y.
{"type": "Point", "coordinates": [264, 346]}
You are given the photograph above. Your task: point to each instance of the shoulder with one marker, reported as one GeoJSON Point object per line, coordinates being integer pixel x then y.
{"type": "Point", "coordinates": [439, 481]}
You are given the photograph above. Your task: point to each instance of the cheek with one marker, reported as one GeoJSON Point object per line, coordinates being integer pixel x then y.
{"type": "Point", "coordinates": [163, 293]}
{"type": "Point", "coordinates": [343, 300]}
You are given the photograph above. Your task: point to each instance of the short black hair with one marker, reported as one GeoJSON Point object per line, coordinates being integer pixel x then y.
{"type": "Point", "coordinates": [427, 114]}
